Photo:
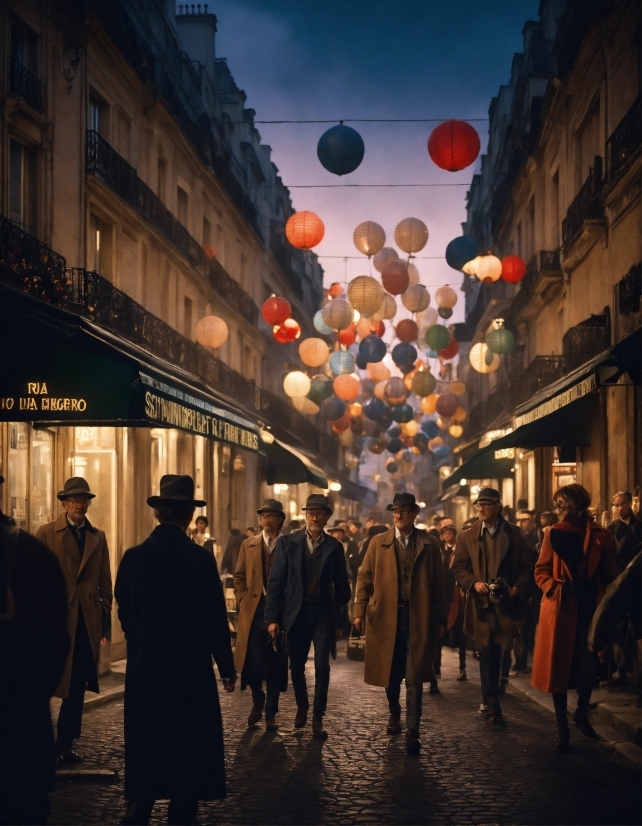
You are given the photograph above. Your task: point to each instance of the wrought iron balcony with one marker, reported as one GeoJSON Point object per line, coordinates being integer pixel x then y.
{"type": "Point", "coordinates": [542, 371]}
{"type": "Point", "coordinates": [587, 204]}
{"type": "Point", "coordinates": [625, 141]}
{"type": "Point", "coordinates": [584, 341]}
{"type": "Point", "coordinates": [30, 266]}
{"type": "Point", "coordinates": [231, 292]}
{"type": "Point", "coordinates": [26, 85]}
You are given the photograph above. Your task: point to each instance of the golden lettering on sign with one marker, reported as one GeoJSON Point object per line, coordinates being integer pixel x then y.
{"type": "Point", "coordinates": [582, 388]}
{"type": "Point", "coordinates": [505, 453]}
{"type": "Point", "coordinates": [38, 399]}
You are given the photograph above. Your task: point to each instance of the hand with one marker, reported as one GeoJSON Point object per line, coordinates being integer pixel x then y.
{"type": "Point", "coordinates": [512, 592]}
{"type": "Point", "coordinates": [358, 624]}
{"type": "Point", "coordinates": [273, 629]}
{"type": "Point", "coordinates": [229, 683]}
{"type": "Point", "coordinates": [103, 641]}
{"type": "Point", "coordinates": [441, 630]}
{"type": "Point", "coordinates": [339, 634]}
{"type": "Point", "coordinates": [481, 587]}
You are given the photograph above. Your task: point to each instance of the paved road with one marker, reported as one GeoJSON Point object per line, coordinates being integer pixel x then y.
{"type": "Point", "coordinates": [467, 772]}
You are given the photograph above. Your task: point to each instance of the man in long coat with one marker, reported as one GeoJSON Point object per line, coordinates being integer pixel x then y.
{"type": "Point", "coordinates": [172, 610]}
{"type": "Point", "coordinates": [492, 549]}
{"type": "Point", "coordinates": [84, 558]}
{"type": "Point", "coordinates": [307, 591]}
{"type": "Point", "coordinates": [400, 600]}
{"type": "Point", "coordinates": [254, 656]}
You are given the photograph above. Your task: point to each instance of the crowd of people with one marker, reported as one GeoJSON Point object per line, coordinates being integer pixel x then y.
{"type": "Point", "coordinates": [557, 595]}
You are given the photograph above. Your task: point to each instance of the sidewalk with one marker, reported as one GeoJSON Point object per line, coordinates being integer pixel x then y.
{"type": "Point", "coordinates": [112, 687]}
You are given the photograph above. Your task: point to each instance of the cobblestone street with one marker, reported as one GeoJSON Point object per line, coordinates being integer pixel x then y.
{"type": "Point", "coordinates": [467, 773]}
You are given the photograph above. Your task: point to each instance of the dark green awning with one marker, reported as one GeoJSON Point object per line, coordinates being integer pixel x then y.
{"type": "Point", "coordinates": [483, 465]}
{"type": "Point", "coordinates": [287, 467]}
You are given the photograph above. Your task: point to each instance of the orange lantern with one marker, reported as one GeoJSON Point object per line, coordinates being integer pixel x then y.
{"type": "Point", "coordinates": [364, 327]}
{"type": "Point", "coordinates": [313, 352]}
{"type": "Point", "coordinates": [459, 415]}
{"type": "Point", "coordinates": [209, 250]}
{"type": "Point", "coordinates": [346, 387]}
{"type": "Point", "coordinates": [348, 336]}
{"type": "Point", "coordinates": [457, 388]}
{"type": "Point", "coordinates": [394, 277]}
{"type": "Point", "coordinates": [407, 330]}
{"type": "Point", "coordinates": [304, 230]}
{"type": "Point", "coordinates": [428, 404]}
{"type": "Point", "coordinates": [355, 409]}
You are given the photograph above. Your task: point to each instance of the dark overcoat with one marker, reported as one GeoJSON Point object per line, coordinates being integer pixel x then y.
{"type": "Point", "coordinates": [286, 586]}
{"type": "Point", "coordinates": [172, 610]}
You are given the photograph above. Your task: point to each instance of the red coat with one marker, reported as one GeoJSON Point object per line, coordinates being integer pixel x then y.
{"type": "Point", "coordinates": [557, 628]}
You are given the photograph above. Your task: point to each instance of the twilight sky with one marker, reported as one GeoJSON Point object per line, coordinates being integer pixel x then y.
{"type": "Point", "coordinates": [343, 59]}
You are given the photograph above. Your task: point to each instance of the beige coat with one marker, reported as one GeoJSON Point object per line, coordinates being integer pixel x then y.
{"type": "Point", "coordinates": [378, 599]}
{"type": "Point", "coordinates": [88, 584]}
{"type": "Point", "coordinates": [248, 587]}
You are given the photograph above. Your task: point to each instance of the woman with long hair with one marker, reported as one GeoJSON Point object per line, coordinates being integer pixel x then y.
{"type": "Point", "coordinates": [575, 565]}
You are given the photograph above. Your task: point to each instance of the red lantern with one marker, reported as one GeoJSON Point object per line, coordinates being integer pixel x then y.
{"type": "Point", "coordinates": [380, 329]}
{"type": "Point", "coordinates": [209, 250]}
{"type": "Point", "coordinates": [446, 405]}
{"type": "Point", "coordinates": [287, 332]}
{"type": "Point", "coordinates": [407, 330]}
{"type": "Point", "coordinates": [339, 425]}
{"type": "Point", "coordinates": [450, 351]}
{"type": "Point", "coordinates": [275, 310]}
{"type": "Point", "coordinates": [304, 230]}
{"type": "Point", "coordinates": [513, 269]}
{"type": "Point", "coordinates": [453, 145]}
{"type": "Point", "coordinates": [348, 336]}
{"type": "Point", "coordinates": [336, 290]}
{"type": "Point", "coordinates": [394, 277]}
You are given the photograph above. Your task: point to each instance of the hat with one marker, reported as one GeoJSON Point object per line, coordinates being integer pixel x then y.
{"type": "Point", "coordinates": [317, 501]}
{"type": "Point", "coordinates": [448, 528]}
{"type": "Point", "coordinates": [489, 495]}
{"type": "Point", "coordinates": [523, 515]}
{"type": "Point", "coordinates": [175, 488]}
{"type": "Point", "coordinates": [271, 506]}
{"type": "Point", "coordinates": [403, 500]}
{"type": "Point", "coordinates": [76, 486]}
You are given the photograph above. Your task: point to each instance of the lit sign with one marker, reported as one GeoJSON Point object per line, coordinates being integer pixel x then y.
{"type": "Point", "coordinates": [505, 453]}
{"type": "Point", "coordinates": [37, 398]}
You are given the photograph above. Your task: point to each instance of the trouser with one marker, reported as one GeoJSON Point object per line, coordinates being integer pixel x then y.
{"type": "Point", "coordinates": [83, 668]}
{"type": "Point", "coordinates": [583, 667]}
{"type": "Point", "coordinates": [259, 649]}
{"type": "Point", "coordinates": [456, 641]}
{"type": "Point", "coordinates": [181, 811]}
{"type": "Point", "coordinates": [310, 627]}
{"type": "Point", "coordinates": [398, 671]}
{"type": "Point", "coordinates": [490, 658]}
{"type": "Point", "coordinates": [526, 639]}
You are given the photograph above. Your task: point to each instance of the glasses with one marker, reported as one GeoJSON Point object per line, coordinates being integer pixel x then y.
{"type": "Point", "coordinates": [80, 502]}
{"type": "Point", "coordinates": [270, 516]}
{"type": "Point", "coordinates": [558, 506]}
{"type": "Point", "coordinates": [402, 513]}
{"type": "Point", "coordinates": [316, 514]}
{"type": "Point", "coordinates": [484, 505]}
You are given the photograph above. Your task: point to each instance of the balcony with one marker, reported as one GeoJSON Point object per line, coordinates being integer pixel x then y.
{"type": "Point", "coordinates": [584, 341]}
{"type": "Point", "coordinates": [626, 302]}
{"type": "Point", "coordinates": [586, 206]}
{"type": "Point", "coordinates": [231, 292]}
{"type": "Point", "coordinates": [24, 84]}
{"type": "Point", "coordinates": [30, 266]}
{"type": "Point", "coordinates": [543, 269]}
{"type": "Point", "coordinates": [542, 371]}
{"type": "Point", "coordinates": [625, 142]}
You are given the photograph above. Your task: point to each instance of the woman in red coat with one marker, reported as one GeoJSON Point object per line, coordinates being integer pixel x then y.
{"type": "Point", "coordinates": [576, 563]}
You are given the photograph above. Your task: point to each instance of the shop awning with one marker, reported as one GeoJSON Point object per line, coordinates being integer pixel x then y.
{"type": "Point", "coordinates": [287, 466]}
{"type": "Point", "coordinates": [483, 465]}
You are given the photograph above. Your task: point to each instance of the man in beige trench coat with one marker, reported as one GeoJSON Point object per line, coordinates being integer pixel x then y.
{"type": "Point", "coordinates": [401, 602]}
{"type": "Point", "coordinates": [84, 558]}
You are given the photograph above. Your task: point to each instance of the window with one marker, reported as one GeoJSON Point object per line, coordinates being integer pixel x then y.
{"type": "Point", "coordinates": [188, 308]}
{"type": "Point", "coordinates": [24, 45]}
{"type": "Point", "coordinates": [100, 246]}
{"type": "Point", "coordinates": [207, 231]}
{"type": "Point", "coordinates": [587, 144]}
{"type": "Point", "coordinates": [129, 275]}
{"type": "Point", "coordinates": [98, 118]}
{"type": "Point", "coordinates": [22, 174]}
{"type": "Point", "coordinates": [182, 206]}
{"type": "Point", "coordinates": [161, 178]}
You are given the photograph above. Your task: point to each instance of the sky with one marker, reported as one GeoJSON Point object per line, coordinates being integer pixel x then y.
{"type": "Point", "coordinates": [372, 59]}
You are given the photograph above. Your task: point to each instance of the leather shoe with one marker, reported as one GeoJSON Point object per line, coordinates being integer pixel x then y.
{"type": "Point", "coordinates": [582, 722]}
{"type": "Point", "coordinates": [434, 689]}
{"type": "Point", "coordinates": [318, 731]}
{"type": "Point", "coordinates": [563, 744]}
{"type": "Point", "coordinates": [301, 718]}
{"type": "Point", "coordinates": [71, 756]}
{"type": "Point", "coordinates": [255, 714]}
{"type": "Point", "coordinates": [462, 676]}
{"type": "Point", "coordinates": [271, 724]}
{"type": "Point", "coordinates": [413, 744]}
{"type": "Point", "coordinates": [394, 725]}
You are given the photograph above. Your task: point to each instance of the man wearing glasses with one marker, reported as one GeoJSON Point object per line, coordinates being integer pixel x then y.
{"type": "Point", "coordinates": [84, 558]}
{"type": "Point", "coordinates": [493, 569]}
{"type": "Point", "coordinates": [308, 590]}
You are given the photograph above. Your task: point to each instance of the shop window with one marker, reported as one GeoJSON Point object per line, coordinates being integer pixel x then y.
{"type": "Point", "coordinates": [159, 448]}
{"type": "Point", "coordinates": [18, 477]}
{"type": "Point", "coordinates": [41, 504]}
{"type": "Point", "coordinates": [95, 459]}
{"type": "Point", "coordinates": [22, 185]}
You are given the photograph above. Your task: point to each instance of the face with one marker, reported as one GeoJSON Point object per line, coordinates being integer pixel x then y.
{"type": "Point", "coordinates": [446, 520]}
{"type": "Point", "coordinates": [526, 525]}
{"type": "Point", "coordinates": [271, 523]}
{"type": "Point", "coordinates": [340, 535]}
{"type": "Point", "coordinates": [488, 511]}
{"type": "Point", "coordinates": [76, 508]}
{"type": "Point", "coordinates": [201, 527]}
{"type": "Point", "coordinates": [404, 519]}
{"type": "Point", "coordinates": [448, 537]}
{"type": "Point", "coordinates": [564, 507]}
{"type": "Point", "coordinates": [622, 507]}
{"type": "Point", "coordinates": [353, 529]}
{"type": "Point", "coordinates": [316, 520]}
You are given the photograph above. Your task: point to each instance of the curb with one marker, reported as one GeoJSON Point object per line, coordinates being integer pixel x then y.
{"type": "Point", "coordinates": [104, 697]}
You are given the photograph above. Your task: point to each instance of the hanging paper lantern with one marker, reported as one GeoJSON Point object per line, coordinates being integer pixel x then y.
{"type": "Point", "coordinates": [384, 255]}
{"type": "Point", "coordinates": [275, 310]}
{"type": "Point", "coordinates": [357, 425]}
{"type": "Point", "coordinates": [437, 337]}
{"type": "Point", "coordinates": [313, 352]}
{"type": "Point", "coordinates": [348, 336]}
{"type": "Point", "coordinates": [373, 348]}
{"type": "Point", "coordinates": [341, 362]}
{"type": "Point", "coordinates": [444, 312]}
{"type": "Point", "coordinates": [443, 424]}
{"type": "Point", "coordinates": [423, 383]}
{"type": "Point", "coordinates": [377, 446]}
{"type": "Point", "coordinates": [320, 389]}
{"type": "Point", "coordinates": [346, 387]}
{"type": "Point", "coordinates": [407, 330]}
{"type": "Point", "coordinates": [453, 145]}
{"type": "Point", "coordinates": [380, 329]}
{"type": "Point", "coordinates": [319, 324]}
{"type": "Point", "coordinates": [450, 351]}
{"type": "Point", "coordinates": [411, 235]}
{"type": "Point", "coordinates": [395, 388]}
{"type": "Point", "coordinates": [338, 314]}
{"type": "Point", "coordinates": [433, 444]}
{"type": "Point", "coordinates": [211, 331]}
{"type": "Point", "coordinates": [387, 310]}
{"type": "Point", "coordinates": [365, 294]}
{"type": "Point", "coordinates": [306, 406]}
{"type": "Point", "coordinates": [429, 427]}
{"type": "Point", "coordinates": [289, 331]}
{"type": "Point", "coordinates": [342, 423]}
{"type": "Point", "coordinates": [394, 277]}
{"type": "Point", "coordinates": [378, 371]}
{"type": "Point", "coordinates": [428, 404]}
{"type": "Point", "coordinates": [428, 318]}
{"type": "Point", "coordinates": [420, 441]}
{"type": "Point", "coordinates": [394, 445]}
{"type": "Point", "coordinates": [446, 297]}
{"type": "Point", "coordinates": [446, 404]}
{"type": "Point", "coordinates": [459, 415]}
{"type": "Point", "coordinates": [375, 409]}
{"type": "Point", "coordinates": [340, 149]}
{"type": "Point", "coordinates": [361, 362]}
{"type": "Point", "coordinates": [457, 388]}
{"type": "Point", "coordinates": [380, 390]}
{"type": "Point", "coordinates": [403, 354]}
{"type": "Point", "coordinates": [371, 427]}
{"type": "Point", "coordinates": [483, 359]}
{"type": "Point", "coordinates": [333, 408]}
{"type": "Point", "coordinates": [460, 251]}
{"type": "Point", "coordinates": [416, 298]}
{"type": "Point", "coordinates": [410, 428]}
{"type": "Point", "coordinates": [364, 327]}
{"type": "Point", "coordinates": [441, 452]}
{"type": "Point", "coordinates": [513, 269]}
{"type": "Point", "coordinates": [304, 230]}
{"type": "Point", "coordinates": [489, 269]}
{"type": "Point", "coordinates": [401, 412]}
{"type": "Point", "coordinates": [392, 467]}
{"type": "Point", "coordinates": [335, 290]}
{"type": "Point", "coordinates": [470, 268]}
{"type": "Point", "coordinates": [296, 385]}
{"type": "Point", "coordinates": [501, 341]}
{"type": "Point", "coordinates": [355, 409]}
{"type": "Point", "coordinates": [369, 238]}
{"type": "Point", "coordinates": [413, 274]}
{"type": "Point", "coordinates": [456, 430]}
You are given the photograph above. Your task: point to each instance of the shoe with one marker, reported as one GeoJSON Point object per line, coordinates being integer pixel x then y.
{"type": "Point", "coordinates": [563, 745]}
{"type": "Point", "coordinates": [619, 682]}
{"type": "Point", "coordinates": [484, 708]}
{"type": "Point", "coordinates": [515, 671]}
{"type": "Point", "coordinates": [413, 743]}
{"type": "Point", "coordinates": [318, 731]}
{"type": "Point", "coordinates": [462, 676]}
{"type": "Point", "coordinates": [582, 722]}
{"type": "Point", "coordinates": [71, 756]}
{"type": "Point", "coordinates": [255, 715]}
{"type": "Point", "coordinates": [502, 686]}
{"type": "Point", "coordinates": [434, 689]}
{"type": "Point", "coordinates": [476, 654]}
{"type": "Point", "coordinates": [438, 672]}
{"type": "Point", "coordinates": [394, 725]}
{"type": "Point", "coordinates": [301, 718]}
{"type": "Point", "coordinates": [495, 715]}
{"type": "Point", "coordinates": [271, 724]}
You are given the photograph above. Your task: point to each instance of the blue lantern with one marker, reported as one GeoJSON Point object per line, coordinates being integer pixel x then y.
{"type": "Point", "coordinates": [320, 326]}
{"type": "Point", "coordinates": [460, 251]}
{"type": "Point", "coordinates": [375, 408]}
{"type": "Point", "coordinates": [430, 428]}
{"type": "Point", "coordinates": [420, 440]}
{"type": "Point", "coordinates": [394, 445]}
{"type": "Point", "coordinates": [361, 362]}
{"type": "Point", "coordinates": [432, 354]}
{"type": "Point", "coordinates": [404, 354]}
{"type": "Point", "coordinates": [333, 408]}
{"type": "Point", "coordinates": [402, 413]}
{"type": "Point", "coordinates": [340, 149]}
{"type": "Point", "coordinates": [372, 348]}
{"type": "Point", "coordinates": [392, 467]}
{"type": "Point", "coordinates": [341, 362]}
{"type": "Point", "coordinates": [394, 432]}
{"type": "Point", "coordinates": [441, 452]}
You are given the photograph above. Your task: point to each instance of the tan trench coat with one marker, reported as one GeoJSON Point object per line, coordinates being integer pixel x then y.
{"type": "Point", "coordinates": [88, 584]}
{"type": "Point", "coordinates": [248, 588]}
{"type": "Point", "coordinates": [378, 599]}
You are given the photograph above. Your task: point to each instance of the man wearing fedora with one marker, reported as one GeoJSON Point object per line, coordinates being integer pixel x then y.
{"type": "Point", "coordinates": [172, 610]}
{"type": "Point", "coordinates": [255, 658]}
{"type": "Point", "coordinates": [493, 569]}
{"type": "Point", "coordinates": [84, 558]}
{"type": "Point", "coordinates": [400, 603]}
{"type": "Point", "coordinates": [308, 590]}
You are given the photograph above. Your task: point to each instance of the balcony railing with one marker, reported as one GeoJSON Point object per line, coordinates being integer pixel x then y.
{"type": "Point", "coordinates": [542, 371]}
{"type": "Point", "coordinates": [232, 292]}
{"type": "Point", "coordinates": [625, 141]}
{"type": "Point", "coordinates": [26, 85]}
{"type": "Point", "coordinates": [587, 204]}
{"type": "Point", "coordinates": [584, 341]}
{"type": "Point", "coordinates": [30, 266]}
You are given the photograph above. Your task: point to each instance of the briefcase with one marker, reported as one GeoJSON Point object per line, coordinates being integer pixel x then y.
{"type": "Point", "coordinates": [356, 649]}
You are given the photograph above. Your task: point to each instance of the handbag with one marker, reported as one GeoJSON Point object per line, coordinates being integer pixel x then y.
{"type": "Point", "coordinates": [356, 649]}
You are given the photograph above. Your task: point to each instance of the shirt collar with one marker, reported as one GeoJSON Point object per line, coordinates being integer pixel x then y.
{"type": "Point", "coordinates": [403, 538]}
{"type": "Point", "coordinates": [80, 527]}
{"type": "Point", "coordinates": [269, 542]}
{"type": "Point", "coordinates": [626, 521]}
{"type": "Point", "coordinates": [491, 530]}
{"type": "Point", "coordinates": [313, 544]}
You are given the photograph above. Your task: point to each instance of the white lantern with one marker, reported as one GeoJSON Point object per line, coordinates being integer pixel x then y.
{"type": "Point", "coordinates": [446, 297]}
{"type": "Point", "coordinates": [296, 384]}
{"type": "Point", "coordinates": [313, 352]}
{"type": "Point", "coordinates": [383, 256]}
{"type": "Point", "coordinates": [211, 331]}
{"type": "Point", "coordinates": [305, 405]}
{"type": "Point", "coordinates": [413, 274]}
{"type": "Point", "coordinates": [338, 314]}
{"type": "Point", "coordinates": [455, 430]}
{"type": "Point", "coordinates": [365, 294]}
{"type": "Point", "coordinates": [470, 267]}
{"type": "Point", "coordinates": [416, 298]}
{"type": "Point", "coordinates": [369, 238]}
{"type": "Point", "coordinates": [378, 371]}
{"type": "Point", "coordinates": [489, 268]}
{"type": "Point", "coordinates": [411, 235]}
{"type": "Point", "coordinates": [387, 310]}
{"type": "Point", "coordinates": [483, 359]}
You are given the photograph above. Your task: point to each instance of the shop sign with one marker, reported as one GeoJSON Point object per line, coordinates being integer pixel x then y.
{"type": "Point", "coordinates": [577, 391]}
{"type": "Point", "coordinates": [37, 398]}
{"type": "Point", "coordinates": [505, 453]}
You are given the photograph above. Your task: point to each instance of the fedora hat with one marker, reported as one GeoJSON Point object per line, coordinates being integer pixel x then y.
{"type": "Point", "coordinates": [489, 495]}
{"type": "Point", "coordinates": [403, 500]}
{"type": "Point", "coordinates": [76, 486]}
{"type": "Point", "coordinates": [271, 506]}
{"type": "Point", "coordinates": [317, 502]}
{"type": "Point", "coordinates": [174, 488]}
